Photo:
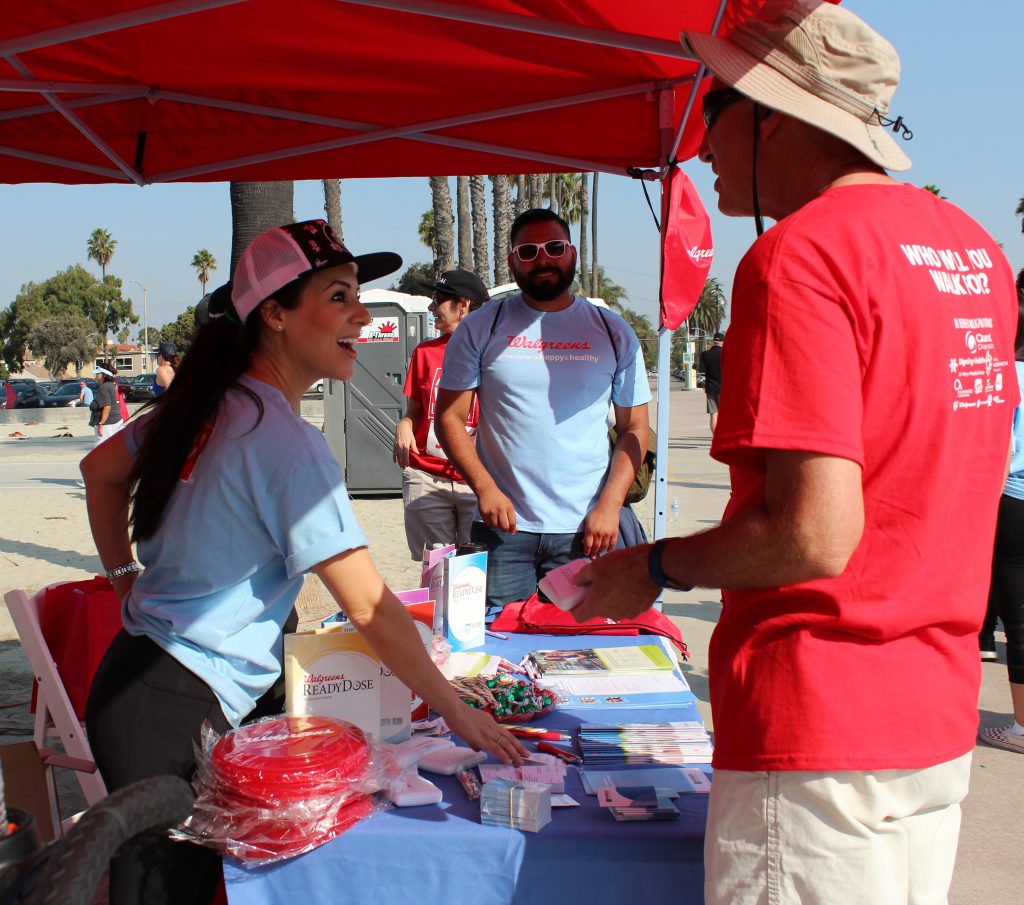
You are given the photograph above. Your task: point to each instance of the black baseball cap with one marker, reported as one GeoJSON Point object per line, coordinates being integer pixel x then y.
{"type": "Point", "coordinates": [460, 284]}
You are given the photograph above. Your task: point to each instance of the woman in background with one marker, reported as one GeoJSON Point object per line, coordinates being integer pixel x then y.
{"type": "Point", "coordinates": [167, 361]}
{"type": "Point", "coordinates": [105, 410]}
{"type": "Point", "coordinates": [439, 504]}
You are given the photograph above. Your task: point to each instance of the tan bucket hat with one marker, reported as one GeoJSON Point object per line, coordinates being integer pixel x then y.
{"type": "Point", "coordinates": [816, 62]}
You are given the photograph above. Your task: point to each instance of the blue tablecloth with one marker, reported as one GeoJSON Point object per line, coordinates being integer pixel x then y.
{"type": "Point", "coordinates": [442, 855]}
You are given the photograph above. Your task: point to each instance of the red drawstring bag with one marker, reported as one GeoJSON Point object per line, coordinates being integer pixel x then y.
{"type": "Point", "coordinates": [534, 617]}
{"type": "Point", "coordinates": [79, 619]}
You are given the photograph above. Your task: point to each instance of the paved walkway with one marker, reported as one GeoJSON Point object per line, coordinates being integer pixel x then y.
{"type": "Point", "coordinates": [988, 870]}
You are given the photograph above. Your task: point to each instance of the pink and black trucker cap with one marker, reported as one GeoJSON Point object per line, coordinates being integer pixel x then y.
{"type": "Point", "coordinates": [282, 254]}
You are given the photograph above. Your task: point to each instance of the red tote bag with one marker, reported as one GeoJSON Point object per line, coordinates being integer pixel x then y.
{"type": "Point", "coordinates": [534, 617]}
{"type": "Point", "coordinates": [78, 620]}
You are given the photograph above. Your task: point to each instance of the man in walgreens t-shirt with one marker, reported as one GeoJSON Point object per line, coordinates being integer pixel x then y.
{"type": "Point", "coordinates": [867, 396]}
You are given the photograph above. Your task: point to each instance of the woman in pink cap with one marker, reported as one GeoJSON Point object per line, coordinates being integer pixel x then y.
{"type": "Point", "coordinates": [231, 499]}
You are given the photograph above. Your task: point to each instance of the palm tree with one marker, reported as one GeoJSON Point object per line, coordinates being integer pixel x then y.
{"type": "Point", "coordinates": [584, 217]}
{"type": "Point", "coordinates": [522, 195]}
{"type": "Point", "coordinates": [595, 271]}
{"type": "Point", "coordinates": [707, 316]}
{"type": "Point", "coordinates": [569, 185]}
{"type": "Point", "coordinates": [935, 190]}
{"type": "Point", "coordinates": [255, 207]}
{"type": "Point", "coordinates": [501, 191]}
{"type": "Point", "coordinates": [444, 221]}
{"type": "Point", "coordinates": [478, 197]}
{"type": "Point", "coordinates": [1020, 212]}
{"type": "Point", "coordinates": [204, 262]}
{"type": "Point", "coordinates": [463, 223]}
{"type": "Point", "coordinates": [332, 205]}
{"type": "Point", "coordinates": [426, 229]}
{"type": "Point", "coordinates": [100, 248]}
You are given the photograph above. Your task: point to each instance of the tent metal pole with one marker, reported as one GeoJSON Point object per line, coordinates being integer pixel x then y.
{"type": "Point", "coordinates": [567, 163]}
{"type": "Point", "coordinates": [106, 24]}
{"type": "Point", "coordinates": [532, 25]}
{"type": "Point", "coordinates": [108, 172]}
{"type": "Point", "coordinates": [77, 104]}
{"type": "Point", "coordinates": [41, 87]}
{"type": "Point", "coordinates": [373, 132]}
{"type": "Point", "coordinates": [80, 126]}
{"type": "Point", "coordinates": [701, 72]}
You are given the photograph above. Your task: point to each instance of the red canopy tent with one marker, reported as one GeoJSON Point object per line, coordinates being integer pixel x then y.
{"type": "Point", "coordinates": [248, 90]}
{"type": "Point", "coordinates": [116, 90]}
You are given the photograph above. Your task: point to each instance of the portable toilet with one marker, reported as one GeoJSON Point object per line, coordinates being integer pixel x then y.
{"type": "Point", "coordinates": [360, 414]}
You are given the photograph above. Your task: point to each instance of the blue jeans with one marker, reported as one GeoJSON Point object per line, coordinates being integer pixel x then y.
{"type": "Point", "coordinates": [516, 562]}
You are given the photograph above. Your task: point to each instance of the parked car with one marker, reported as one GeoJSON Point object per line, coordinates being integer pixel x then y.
{"type": "Point", "coordinates": [316, 390]}
{"type": "Point", "coordinates": [30, 395]}
{"type": "Point", "coordinates": [140, 388]}
{"type": "Point", "coordinates": [66, 395]}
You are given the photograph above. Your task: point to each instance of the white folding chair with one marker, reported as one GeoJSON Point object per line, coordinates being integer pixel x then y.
{"type": "Point", "coordinates": [55, 715]}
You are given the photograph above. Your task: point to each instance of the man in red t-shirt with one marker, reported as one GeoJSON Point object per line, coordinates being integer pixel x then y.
{"type": "Point", "coordinates": [854, 551]}
{"type": "Point", "coordinates": [439, 504]}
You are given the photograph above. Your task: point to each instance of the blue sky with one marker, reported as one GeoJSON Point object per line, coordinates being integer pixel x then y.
{"type": "Point", "coordinates": [959, 92]}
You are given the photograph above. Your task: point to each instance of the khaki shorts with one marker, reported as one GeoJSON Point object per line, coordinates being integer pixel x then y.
{"type": "Point", "coordinates": [886, 837]}
{"type": "Point", "coordinates": [437, 511]}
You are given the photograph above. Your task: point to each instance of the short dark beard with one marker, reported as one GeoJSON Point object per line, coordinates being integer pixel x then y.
{"type": "Point", "coordinates": [546, 291]}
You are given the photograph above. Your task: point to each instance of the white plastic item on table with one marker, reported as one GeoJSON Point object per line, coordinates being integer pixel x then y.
{"type": "Point", "coordinates": [448, 761]}
{"type": "Point", "coordinates": [413, 791]}
{"type": "Point", "coordinates": [411, 752]}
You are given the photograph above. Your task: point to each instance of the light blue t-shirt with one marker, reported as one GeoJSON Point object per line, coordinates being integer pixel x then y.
{"type": "Point", "coordinates": [86, 396]}
{"type": "Point", "coordinates": [263, 504]}
{"type": "Point", "coordinates": [1015, 482]}
{"type": "Point", "coordinates": [544, 381]}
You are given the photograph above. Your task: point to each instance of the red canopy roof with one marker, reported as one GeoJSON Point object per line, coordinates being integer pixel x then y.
{"type": "Point", "coordinates": [115, 90]}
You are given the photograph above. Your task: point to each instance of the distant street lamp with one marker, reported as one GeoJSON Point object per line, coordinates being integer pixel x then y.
{"type": "Point", "coordinates": [145, 322]}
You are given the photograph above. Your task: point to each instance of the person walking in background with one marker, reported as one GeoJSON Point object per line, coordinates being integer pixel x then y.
{"type": "Point", "coordinates": [167, 361]}
{"type": "Point", "coordinates": [439, 504]}
{"type": "Point", "coordinates": [844, 668]}
{"type": "Point", "coordinates": [231, 498]}
{"type": "Point", "coordinates": [105, 407]}
{"type": "Point", "coordinates": [544, 366]}
{"type": "Point", "coordinates": [1006, 596]}
{"type": "Point", "coordinates": [711, 368]}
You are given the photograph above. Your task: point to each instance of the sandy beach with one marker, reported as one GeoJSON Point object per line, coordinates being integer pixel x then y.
{"type": "Point", "coordinates": [44, 538]}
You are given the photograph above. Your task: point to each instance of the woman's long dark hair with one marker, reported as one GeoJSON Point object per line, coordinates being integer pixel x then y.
{"type": "Point", "coordinates": [218, 357]}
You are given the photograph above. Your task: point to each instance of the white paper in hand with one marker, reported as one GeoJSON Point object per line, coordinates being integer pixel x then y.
{"type": "Point", "coordinates": [559, 585]}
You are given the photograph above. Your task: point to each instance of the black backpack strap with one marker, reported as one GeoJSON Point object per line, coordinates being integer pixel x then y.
{"type": "Point", "coordinates": [494, 323]}
{"type": "Point", "coordinates": [611, 339]}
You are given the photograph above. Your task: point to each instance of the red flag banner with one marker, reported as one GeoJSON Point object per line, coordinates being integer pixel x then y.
{"type": "Point", "coordinates": [686, 249]}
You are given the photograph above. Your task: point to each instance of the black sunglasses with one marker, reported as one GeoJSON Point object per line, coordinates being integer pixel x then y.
{"type": "Point", "coordinates": [717, 102]}
{"type": "Point", "coordinates": [529, 250]}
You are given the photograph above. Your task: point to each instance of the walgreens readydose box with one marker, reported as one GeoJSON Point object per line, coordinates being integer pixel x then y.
{"type": "Point", "coordinates": [458, 584]}
{"type": "Point", "coordinates": [331, 672]}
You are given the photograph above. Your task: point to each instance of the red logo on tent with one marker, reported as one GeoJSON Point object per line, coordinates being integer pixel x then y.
{"type": "Point", "coordinates": [387, 328]}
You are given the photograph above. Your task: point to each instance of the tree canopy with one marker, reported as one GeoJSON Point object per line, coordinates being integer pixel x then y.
{"type": "Point", "coordinates": [413, 278]}
{"type": "Point", "coordinates": [74, 291]}
{"type": "Point", "coordinates": [180, 331]}
{"type": "Point", "coordinates": [66, 339]}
